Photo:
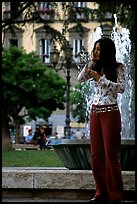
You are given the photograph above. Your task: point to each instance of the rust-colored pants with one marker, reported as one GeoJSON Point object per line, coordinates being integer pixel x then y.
{"type": "Point", "coordinates": [105, 136]}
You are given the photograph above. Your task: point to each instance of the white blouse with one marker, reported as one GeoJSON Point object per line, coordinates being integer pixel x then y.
{"type": "Point", "coordinates": [106, 91]}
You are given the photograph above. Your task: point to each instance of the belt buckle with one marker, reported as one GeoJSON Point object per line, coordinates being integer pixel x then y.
{"type": "Point", "coordinates": [104, 109]}
{"type": "Point", "coordinates": [110, 108]}
{"type": "Point", "coordinates": [115, 108]}
{"type": "Point", "coordinates": [97, 110]}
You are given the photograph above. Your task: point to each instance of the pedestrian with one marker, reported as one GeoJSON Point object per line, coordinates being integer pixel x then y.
{"type": "Point", "coordinates": [40, 138]}
{"type": "Point", "coordinates": [105, 122]}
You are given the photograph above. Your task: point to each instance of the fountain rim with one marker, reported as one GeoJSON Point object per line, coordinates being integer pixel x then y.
{"type": "Point", "coordinates": [60, 142]}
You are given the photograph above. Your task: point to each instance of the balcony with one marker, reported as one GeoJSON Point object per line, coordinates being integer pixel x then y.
{"type": "Point", "coordinates": [47, 14]}
{"type": "Point", "coordinates": [8, 14]}
{"type": "Point", "coordinates": [77, 13]}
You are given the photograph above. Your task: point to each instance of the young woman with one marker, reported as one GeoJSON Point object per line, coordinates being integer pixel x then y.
{"type": "Point", "coordinates": [105, 122]}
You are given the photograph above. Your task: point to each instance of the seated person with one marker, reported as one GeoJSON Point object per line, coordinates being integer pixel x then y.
{"type": "Point", "coordinates": [78, 135]}
{"type": "Point", "coordinates": [29, 137]}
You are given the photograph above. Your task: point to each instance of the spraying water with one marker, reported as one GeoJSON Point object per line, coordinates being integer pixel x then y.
{"type": "Point", "coordinates": [123, 51]}
{"type": "Point", "coordinates": [97, 34]}
{"type": "Point", "coordinates": [90, 83]}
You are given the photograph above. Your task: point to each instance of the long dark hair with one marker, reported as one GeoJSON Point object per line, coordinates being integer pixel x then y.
{"type": "Point", "coordinates": [107, 58]}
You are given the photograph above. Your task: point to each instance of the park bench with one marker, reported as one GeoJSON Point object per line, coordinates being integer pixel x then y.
{"type": "Point", "coordinates": [25, 147]}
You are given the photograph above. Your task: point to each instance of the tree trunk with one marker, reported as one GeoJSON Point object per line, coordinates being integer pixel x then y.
{"type": "Point", "coordinates": [6, 140]}
{"type": "Point", "coordinates": [16, 131]}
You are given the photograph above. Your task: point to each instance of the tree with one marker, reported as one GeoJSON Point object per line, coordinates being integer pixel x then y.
{"type": "Point", "coordinates": [28, 83]}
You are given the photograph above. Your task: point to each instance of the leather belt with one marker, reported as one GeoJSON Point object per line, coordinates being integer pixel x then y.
{"type": "Point", "coordinates": [104, 109]}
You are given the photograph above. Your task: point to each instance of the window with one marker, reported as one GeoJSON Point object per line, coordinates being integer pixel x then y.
{"type": "Point", "coordinates": [11, 9]}
{"type": "Point", "coordinates": [80, 4]}
{"type": "Point", "coordinates": [44, 49]}
{"type": "Point", "coordinates": [77, 46]}
{"type": "Point", "coordinates": [13, 42]}
{"type": "Point", "coordinates": [78, 38]}
{"type": "Point", "coordinates": [6, 13]}
{"type": "Point", "coordinates": [45, 5]}
{"type": "Point", "coordinates": [12, 37]}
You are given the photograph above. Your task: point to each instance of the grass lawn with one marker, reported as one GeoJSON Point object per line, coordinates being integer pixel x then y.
{"type": "Point", "coordinates": [31, 158]}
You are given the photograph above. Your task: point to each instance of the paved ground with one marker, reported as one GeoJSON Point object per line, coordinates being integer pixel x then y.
{"type": "Point", "coordinates": [42, 200]}
{"type": "Point", "coordinates": [50, 200]}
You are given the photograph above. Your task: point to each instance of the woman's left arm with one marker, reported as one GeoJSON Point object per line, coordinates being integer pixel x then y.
{"type": "Point", "coordinates": [118, 86]}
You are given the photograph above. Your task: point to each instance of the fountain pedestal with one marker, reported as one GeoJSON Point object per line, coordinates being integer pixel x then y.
{"type": "Point", "coordinates": [75, 154]}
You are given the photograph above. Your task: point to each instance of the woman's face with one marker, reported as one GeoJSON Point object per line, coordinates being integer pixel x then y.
{"type": "Point", "coordinates": [96, 51]}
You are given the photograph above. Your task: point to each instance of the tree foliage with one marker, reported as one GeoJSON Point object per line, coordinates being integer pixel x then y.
{"type": "Point", "coordinates": [28, 83]}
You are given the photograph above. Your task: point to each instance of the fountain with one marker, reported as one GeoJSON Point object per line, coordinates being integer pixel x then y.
{"type": "Point", "coordinates": [75, 154]}
{"type": "Point", "coordinates": [123, 49]}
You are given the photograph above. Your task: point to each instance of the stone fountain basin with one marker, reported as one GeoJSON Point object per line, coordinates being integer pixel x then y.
{"type": "Point", "coordinates": [75, 154]}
